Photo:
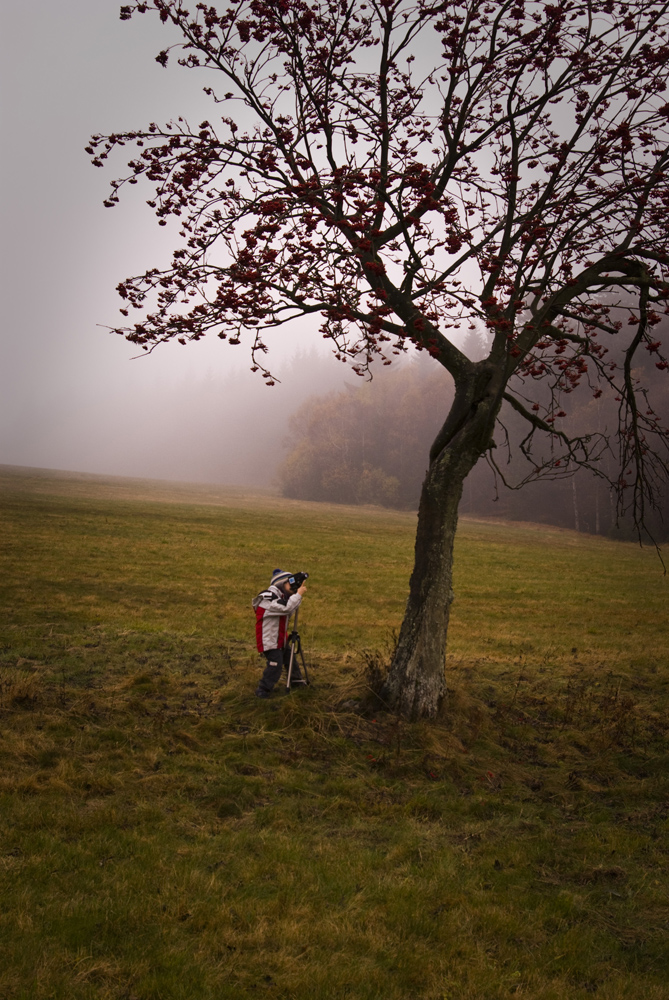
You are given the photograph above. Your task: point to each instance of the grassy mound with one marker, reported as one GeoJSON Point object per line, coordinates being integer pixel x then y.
{"type": "Point", "coordinates": [164, 836]}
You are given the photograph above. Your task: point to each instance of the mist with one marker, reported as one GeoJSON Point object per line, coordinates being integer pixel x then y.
{"type": "Point", "coordinates": [72, 396]}
{"type": "Point", "coordinates": [217, 427]}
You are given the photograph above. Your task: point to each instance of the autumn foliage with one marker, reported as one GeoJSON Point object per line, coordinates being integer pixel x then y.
{"type": "Point", "coordinates": [367, 443]}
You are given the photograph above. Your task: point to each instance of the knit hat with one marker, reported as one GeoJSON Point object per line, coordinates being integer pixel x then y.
{"type": "Point", "coordinates": [279, 577]}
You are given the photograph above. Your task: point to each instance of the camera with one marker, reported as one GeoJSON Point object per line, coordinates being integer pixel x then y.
{"type": "Point", "coordinates": [297, 580]}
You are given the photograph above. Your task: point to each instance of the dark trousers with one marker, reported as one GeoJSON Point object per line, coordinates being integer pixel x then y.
{"type": "Point", "coordinates": [275, 661]}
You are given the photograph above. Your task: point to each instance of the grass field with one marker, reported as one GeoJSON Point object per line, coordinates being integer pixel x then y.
{"type": "Point", "coordinates": [165, 836]}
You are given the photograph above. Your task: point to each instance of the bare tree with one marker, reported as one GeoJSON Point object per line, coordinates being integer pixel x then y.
{"type": "Point", "coordinates": [405, 168]}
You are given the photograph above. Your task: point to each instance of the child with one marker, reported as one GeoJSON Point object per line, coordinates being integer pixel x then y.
{"type": "Point", "coordinates": [273, 608]}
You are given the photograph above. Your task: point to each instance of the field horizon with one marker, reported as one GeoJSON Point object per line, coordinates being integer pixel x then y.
{"type": "Point", "coordinates": [75, 482]}
{"type": "Point", "coordinates": [165, 836]}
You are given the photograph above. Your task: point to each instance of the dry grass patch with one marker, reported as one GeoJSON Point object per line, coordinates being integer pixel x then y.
{"type": "Point", "coordinates": [165, 836]}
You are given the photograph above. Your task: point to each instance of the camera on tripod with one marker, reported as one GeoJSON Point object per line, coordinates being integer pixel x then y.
{"type": "Point", "coordinates": [297, 580]}
{"type": "Point", "coordinates": [294, 643]}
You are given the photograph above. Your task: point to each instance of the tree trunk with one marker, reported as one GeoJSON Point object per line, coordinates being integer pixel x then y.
{"type": "Point", "coordinates": [416, 684]}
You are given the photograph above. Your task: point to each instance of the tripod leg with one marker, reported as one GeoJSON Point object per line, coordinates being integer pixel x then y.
{"type": "Point", "coordinates": [290, 665]}
{"type": "Point", "coordinates": [304, 667]}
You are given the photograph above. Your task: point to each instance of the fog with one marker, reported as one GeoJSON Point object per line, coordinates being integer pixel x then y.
{"type": "Point", "coordinates": [219, 428]}
{"type": "Point", "coordinates": [71, 397]}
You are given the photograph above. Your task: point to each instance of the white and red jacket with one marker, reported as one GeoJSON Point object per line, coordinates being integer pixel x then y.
{"type": "Point", "coordinates": [273, 609]}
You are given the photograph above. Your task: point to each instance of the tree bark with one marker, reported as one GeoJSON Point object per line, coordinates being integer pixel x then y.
{"type": "Point", "coordinates": [416, 683]}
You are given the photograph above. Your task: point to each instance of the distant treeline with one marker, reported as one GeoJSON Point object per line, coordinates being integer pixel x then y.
{"type": "Point", "coordinates": [369, 444]}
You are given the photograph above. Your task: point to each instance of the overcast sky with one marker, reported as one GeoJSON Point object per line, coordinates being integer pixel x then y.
{"type": "Point", "coordinates": [70, 397]}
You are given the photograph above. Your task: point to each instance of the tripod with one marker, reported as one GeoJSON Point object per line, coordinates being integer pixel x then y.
{"type": "Point", "coordinates": [295, 645]}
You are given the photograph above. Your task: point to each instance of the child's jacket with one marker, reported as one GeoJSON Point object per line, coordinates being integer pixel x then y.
{"type": "Point", "coordinates": [273, 609]}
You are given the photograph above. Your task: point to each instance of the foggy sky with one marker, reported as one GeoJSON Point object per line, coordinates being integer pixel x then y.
{"type": "Point", "coordinates": [70, 397]}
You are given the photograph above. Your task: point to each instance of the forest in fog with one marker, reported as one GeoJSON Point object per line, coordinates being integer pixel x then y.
{"type": "Point", "coordinates": [369, 443]}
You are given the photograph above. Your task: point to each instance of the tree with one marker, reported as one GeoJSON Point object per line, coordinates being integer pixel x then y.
{"type": "Point", "coordinates": [403, 168]}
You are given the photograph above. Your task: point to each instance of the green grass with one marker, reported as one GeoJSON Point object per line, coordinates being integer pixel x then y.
{"type": "Point", "coordinates": [163, 835]}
